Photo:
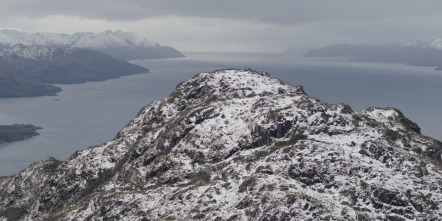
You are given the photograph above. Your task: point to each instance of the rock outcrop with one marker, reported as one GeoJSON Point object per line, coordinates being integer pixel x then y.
{"type": "Point", "coordinates": [240, 145]}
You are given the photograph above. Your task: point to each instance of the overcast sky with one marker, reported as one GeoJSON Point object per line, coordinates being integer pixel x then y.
{"type": "Point", "coordinates": [234, 25]}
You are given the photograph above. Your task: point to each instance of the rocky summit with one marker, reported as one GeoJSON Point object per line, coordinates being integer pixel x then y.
{"type": "Point", "coordinates": [240, 145]}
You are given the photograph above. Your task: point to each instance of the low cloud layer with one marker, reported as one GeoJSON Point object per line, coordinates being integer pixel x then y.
{"type": "Point", "coordinates": [246, 25]}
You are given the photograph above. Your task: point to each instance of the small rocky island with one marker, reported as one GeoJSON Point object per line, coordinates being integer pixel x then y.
{"type": "Point", "coordinates": [16, 132]}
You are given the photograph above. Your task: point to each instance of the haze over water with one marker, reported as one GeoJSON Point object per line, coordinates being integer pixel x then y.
{"type": "Point", "coordinates": [89, 114]}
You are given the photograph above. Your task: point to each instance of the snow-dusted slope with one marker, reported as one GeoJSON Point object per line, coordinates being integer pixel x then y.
{"type": "Point", "coordinates": [108, 41]}
{"type": "Point", "coordinates": [239, 145]}
{"type": "Point", "coordinates": [35, 52]}
{"type": "Point", "coordinates": [12, 37]}
{"type": "Point", "coordinates": [437, 43]}
{"type": "Point", "coordinates": [79, 39]}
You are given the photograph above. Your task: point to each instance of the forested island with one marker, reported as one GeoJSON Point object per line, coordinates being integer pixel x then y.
{"type": "Point", "coordinates": [16, 132]}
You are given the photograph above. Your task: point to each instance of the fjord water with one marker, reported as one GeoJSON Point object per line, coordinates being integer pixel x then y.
{"type": "Point", "coordinates": [89, 114]}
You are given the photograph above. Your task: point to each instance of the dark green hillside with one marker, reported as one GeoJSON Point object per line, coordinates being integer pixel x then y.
{"type": "Point", "coordinates": [11, 86]}
{"type": "Point", "coordinates": [10, 133]}
{"type": "Point", "coordinates": [27, 71]}
{"type": "Point", "coordinates": [67, 66]}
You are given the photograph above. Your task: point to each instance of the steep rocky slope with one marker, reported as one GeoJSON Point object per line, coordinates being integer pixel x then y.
{"type": "Point", "coordinates": [239, 145]}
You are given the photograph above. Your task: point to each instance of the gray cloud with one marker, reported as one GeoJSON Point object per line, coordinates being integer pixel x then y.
{"type": "Point", "coordinates": [259, 25]}
{"type": "Point", "coordinates": [278, 11]}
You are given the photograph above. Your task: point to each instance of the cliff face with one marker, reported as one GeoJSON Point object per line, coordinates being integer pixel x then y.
{"type": "Point", "coordinates": [239, 145]}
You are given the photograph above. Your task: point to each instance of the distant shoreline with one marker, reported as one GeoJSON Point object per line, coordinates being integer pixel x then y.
{"type": "Point", "coordinates": [409, 55]}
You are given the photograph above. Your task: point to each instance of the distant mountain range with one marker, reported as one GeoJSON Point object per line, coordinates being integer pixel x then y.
{"type": "Point", "coordinates": [427, 54]}
{"type": "Point", "coordinates": [118, 44]}
{"type": "Point", "coordinates": [29, 62]}
{"type": "Point", "coordinates": [27, 70]}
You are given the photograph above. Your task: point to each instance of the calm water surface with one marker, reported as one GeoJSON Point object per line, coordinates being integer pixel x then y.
{"type": "Point", "coordinates": [88, 114]}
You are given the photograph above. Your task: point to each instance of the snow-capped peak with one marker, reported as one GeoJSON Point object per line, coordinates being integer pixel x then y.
{"type": "Point", "coordinates": [437, 43]}
{"type": "Point", "coordinates": [120, 45]}
{"type": "Point", "coordinates": [109, 39]}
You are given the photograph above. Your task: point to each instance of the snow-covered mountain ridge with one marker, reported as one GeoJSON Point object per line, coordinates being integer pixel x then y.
{"type": "Point", "coordinates": [35, 52]}
{"type": "Point", "coordinates": [79, 39]}
{"type": "Point", "coordinates": [108, 42]}
{"type": "Point", "coordinates": [240, 145]}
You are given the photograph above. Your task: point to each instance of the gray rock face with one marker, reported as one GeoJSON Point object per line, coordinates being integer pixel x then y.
{"type": "Point", "coordinates": [239, 145]}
